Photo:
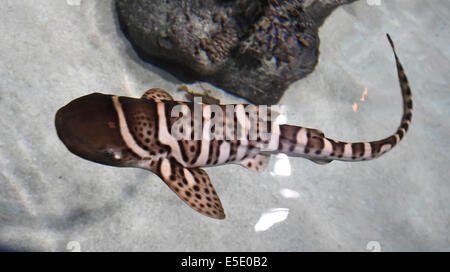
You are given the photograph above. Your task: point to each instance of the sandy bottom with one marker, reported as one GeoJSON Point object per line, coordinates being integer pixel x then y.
{"type": "Point", "coordinates": [52, 200]}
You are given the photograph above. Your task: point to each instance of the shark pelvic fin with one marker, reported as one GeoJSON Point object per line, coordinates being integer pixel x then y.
{"type": "Point", "coordinates": [321, 161]}
{"type": "Point", "coordinates": [257, 163]}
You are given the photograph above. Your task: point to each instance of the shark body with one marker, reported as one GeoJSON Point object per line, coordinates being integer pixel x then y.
{"type": "Point", "coordinates": [129, 132]}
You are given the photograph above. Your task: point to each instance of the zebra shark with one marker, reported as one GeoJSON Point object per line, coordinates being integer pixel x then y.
{"type": "Point", "coordinates": [129, 132]}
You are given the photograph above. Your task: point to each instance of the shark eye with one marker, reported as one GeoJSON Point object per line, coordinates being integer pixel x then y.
{"type": "Point", "coordinates": [108, 153]}
{"type": "Point", "coordinates": [112, 154]}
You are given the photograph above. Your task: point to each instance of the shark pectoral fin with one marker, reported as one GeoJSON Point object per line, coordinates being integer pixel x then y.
{"type": "Point", "coordinates": [157, 95]}
{"type": "Point", "coordinates": [257, 163]}
{"type": "Point", "coordinates": [193, 186]}
{"type": "Point", "coordinates": [321, 161]}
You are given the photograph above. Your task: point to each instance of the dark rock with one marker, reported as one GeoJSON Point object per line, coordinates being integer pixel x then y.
{"type": "Point", "coordinates": [254, 49]}
{"type": "Point", "coordinates": [320, 9]}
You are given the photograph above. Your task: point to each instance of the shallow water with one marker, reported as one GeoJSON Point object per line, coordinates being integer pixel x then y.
{"type": "Point", "coordinates": [50, 199]}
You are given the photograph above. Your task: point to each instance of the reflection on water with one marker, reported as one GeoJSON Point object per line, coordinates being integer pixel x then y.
{"type": "Point", "coordinates": [270, 218]}
{"type": "Point", "coordinates": [288, 193]}
{"type": "Point", "coordinates": [282, 166]}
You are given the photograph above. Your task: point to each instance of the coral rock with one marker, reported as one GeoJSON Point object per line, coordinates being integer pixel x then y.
{"type": "Point", "coordinates": [253, 49]}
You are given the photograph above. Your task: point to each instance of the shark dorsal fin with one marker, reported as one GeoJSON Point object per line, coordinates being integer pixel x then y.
{"type": "Point", "coordinates": [157, 95]}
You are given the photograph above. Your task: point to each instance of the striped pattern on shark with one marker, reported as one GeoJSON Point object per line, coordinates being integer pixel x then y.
{"type": "Point", "coordinates": [128, 132]}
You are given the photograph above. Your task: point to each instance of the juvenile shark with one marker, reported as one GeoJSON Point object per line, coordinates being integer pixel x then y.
{"type": "Point", "coordinates": [129, 132]}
